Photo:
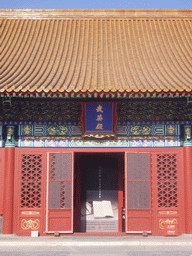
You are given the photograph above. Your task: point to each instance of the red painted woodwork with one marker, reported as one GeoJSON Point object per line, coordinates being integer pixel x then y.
{"type": "Point", "coordinates": [162, 210]}
{"type": "Point", "coordinates": [8, 190]}
{"type": "Point", "coordinates": [31, 181]}
{"type": "Point", "coordinates": [138, 192]}
{"type": "Point", "coordinates": [59, 208]}
{"type": "Point", "coordinates": [170, 230]}
{"type": "Point", "coordinates": [2, 168]}
{"type": "Point", "coordinates": [121, 196]}
{"type": "Point", "coordinates": [30, 174]}
{"type": "Point", "coordinates": [167, 177]}
{"type": "Point", "coordinates": [59, 220]}
{"type": "Point", "coordinates": [33, 216]}
{"type": "Point", "coordinates": [168, 190]}
{"type": "Point", "coordinates": [188, 187]}
{"type": "Point", "coordinates": [77, 194]}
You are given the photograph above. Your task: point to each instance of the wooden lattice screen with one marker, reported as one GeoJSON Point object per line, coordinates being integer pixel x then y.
{"type": "Point", "coordinates": [31, 181]}
{"type": "Point", "coordinates": [28, 191]}
{"type": "Point", "coordinates": [60, 181]}
{"type": "Point", "coordinates": [167, 180]}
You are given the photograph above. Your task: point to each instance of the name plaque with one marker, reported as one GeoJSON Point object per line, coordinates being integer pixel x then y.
{"type": "Point", "coordinates": [99, 120]}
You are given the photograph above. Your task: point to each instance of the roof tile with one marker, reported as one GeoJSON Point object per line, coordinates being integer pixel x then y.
{"type": "Point", "coordinates": [96, 54]}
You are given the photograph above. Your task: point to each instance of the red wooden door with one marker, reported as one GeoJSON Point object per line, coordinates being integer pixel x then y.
{"type": "Point", "coordinates": [2, 167]}
{"type": "Point", "coordinates": [138, 192]}
{"type": "Point", "coordinates": [168, 190]}
{"type": "Point", "coordinates": [59, 204]}
{"type": "Point", "coordinates": [28, 190]}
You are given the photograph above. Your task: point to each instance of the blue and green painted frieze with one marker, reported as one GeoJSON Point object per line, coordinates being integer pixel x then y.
{"type": "Point", "coordinates": [69, 135]}
{"type": "Point", "coordinates": [148, 130]}
{"type": "Point", "coordinates": [132, 130]}
{"type": "Point", "coordinates": [128, 135]}
{"type": "Point", "coordinates": [50, 130]}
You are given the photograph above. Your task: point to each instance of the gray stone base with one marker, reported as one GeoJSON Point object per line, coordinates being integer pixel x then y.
{"type": "Point", "coordinates": [99, 226]}
{"type": "Point", "coordinates": [1, 224]}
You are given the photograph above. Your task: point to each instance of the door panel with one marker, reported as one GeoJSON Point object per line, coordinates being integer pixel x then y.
{"type": "Point", "coordinates": [60, 193]}
{"type": "Point", "coordinates": [168, 194]}
{"type": "Point", "coordinates": [138, 187]}
{"type": "Point", "coordinates": [28, 190]}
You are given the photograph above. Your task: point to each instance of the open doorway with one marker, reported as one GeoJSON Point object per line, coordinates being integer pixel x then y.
{"type": "Point", "coordinates": [99, 179]}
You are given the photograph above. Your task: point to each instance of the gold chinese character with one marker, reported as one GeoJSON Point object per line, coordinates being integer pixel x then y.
{"type": "Point", "coordinates": [99, 109]}
{"type": "Point", "coordinates": [99, 118]}
{"type": "Point", "coordinates": [99, 127]}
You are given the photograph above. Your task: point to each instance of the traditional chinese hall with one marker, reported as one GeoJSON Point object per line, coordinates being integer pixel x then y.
{"type": "Point", "coordinates": [95, 122]}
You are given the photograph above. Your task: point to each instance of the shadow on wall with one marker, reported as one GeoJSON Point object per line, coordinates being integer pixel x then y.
{"type": "Point", "coordinates": [1, 224]}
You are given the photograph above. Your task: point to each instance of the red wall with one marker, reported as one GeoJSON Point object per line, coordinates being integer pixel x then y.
{"type": "Point", "coordinates": [184, 177]}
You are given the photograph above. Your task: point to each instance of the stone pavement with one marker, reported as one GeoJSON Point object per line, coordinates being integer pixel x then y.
{"type": "Point", "coordinates": [13, 240]}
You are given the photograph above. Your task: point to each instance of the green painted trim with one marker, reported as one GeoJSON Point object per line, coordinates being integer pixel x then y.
{"type": "Point", "coordinates": [187, 136]}
{"type": "Point", "coordinates": [10, 136]}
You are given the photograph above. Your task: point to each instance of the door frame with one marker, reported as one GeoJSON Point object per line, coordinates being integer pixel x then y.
{"type": "Point", "coordinates": [120, 157]}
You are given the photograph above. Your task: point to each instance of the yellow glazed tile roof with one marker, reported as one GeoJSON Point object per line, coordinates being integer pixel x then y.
{"type": "Point", "coordinates": [95, 51]}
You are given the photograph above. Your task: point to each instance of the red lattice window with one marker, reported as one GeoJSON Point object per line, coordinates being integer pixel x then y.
{"type": "Point", "coordinates": [60, 181]}
{"type": "Point", "coordinates": [167, 180]}
{"type": "Point", "coordinates": [31, 175]}
{"type": "Point", "coordinates": [138, 181]}
{"type": "Point", "coordinates": [62, 196]}
{"type": "Point", "coordinates": [52, 166]}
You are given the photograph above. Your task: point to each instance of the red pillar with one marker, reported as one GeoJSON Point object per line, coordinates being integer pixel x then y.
{"type": "Point", "coordinates": [188, 187]}
{"type": "Point", "coordinates": [120, 192]}
{"type": "Point", "coordinates": [8, 190]}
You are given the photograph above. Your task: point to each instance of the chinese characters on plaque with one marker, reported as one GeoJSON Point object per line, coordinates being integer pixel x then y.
{"type": "Point", "coordinates": [99, 119]}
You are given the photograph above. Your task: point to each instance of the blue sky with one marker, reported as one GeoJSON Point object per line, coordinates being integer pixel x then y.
{"type": "Point", "coordinates": [100, 4]}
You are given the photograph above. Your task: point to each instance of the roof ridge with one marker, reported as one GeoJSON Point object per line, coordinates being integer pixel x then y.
{"type": "Point", "coordinates": [94, 13]}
